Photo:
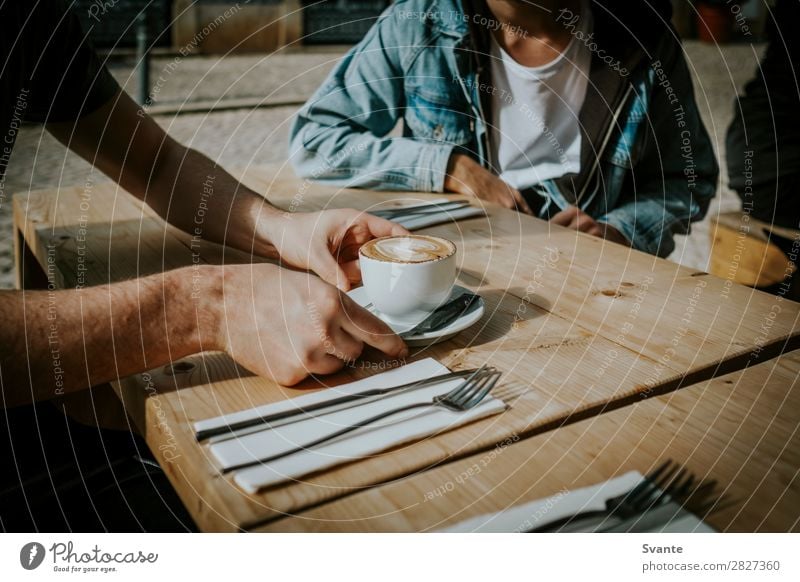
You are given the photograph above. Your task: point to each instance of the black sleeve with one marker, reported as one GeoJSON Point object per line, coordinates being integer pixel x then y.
{"type": "Point", "coordinates": [67, 79]}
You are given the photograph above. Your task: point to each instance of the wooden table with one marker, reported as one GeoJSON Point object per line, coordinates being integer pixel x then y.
{"type": "Point", "coordinates": [740, 429]}
{"type": "Point", "coordinates": [581, 328]}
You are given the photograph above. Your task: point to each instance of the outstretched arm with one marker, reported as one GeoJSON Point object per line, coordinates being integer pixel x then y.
{"type": "Point", "coordinates": [182, 184]}
{"type": "Point", "coordinates": [54, 343]}
{"type": "Point", "coordinates": [177, 182]}
{"type": "Point", "coordinates": [277, 323]}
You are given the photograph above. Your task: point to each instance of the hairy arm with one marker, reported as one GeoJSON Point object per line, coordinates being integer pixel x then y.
{"type": "Point", "coordinates": [275, 322]}
{"type": "Point", "coordinates": [177, 182]}
{"type": "Point", "coordinates": [191, 192]}
{"type": "Point", "coordinates": [57, 342]}
{"type": "Point", "coordinates": [54, 343]}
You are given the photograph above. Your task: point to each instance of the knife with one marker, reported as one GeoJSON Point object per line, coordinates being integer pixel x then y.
{"type": "Point", "coordinates": [444, 315]}
{"type": "Point", "coordinates": [325, 407]}
{"type": "Point", "coordinates": [651, 521]}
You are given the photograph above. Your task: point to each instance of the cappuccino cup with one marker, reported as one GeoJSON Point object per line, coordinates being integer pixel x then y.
{"type": "Point", "coordinates": [407, 277]}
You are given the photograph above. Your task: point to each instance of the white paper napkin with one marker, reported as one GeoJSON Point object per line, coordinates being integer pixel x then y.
{"type": "Point", "coordinates": [365, 441]}
{"type": "Point", "coordinates": [524, 517]}
{"type": "Point", "coordinates": [417, 222]}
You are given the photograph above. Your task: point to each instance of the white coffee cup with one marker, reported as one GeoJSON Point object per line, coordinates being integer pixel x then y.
{"type": "Point", "coordinates": [407, 277]}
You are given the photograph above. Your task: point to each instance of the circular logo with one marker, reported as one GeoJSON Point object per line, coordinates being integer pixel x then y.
{"type": "Point", "coordinates": [31, 555]}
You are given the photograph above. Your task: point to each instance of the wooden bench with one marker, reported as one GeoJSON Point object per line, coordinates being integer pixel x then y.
{"type": "Point", "coordinates": [751, 252]}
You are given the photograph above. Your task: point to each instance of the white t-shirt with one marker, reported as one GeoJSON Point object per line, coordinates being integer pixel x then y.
{"type": "Point", "coordinates": [535, 133]}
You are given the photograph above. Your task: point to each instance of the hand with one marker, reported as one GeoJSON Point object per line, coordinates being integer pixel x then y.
{"type": "Point", "coordinates": [466, 176]}
{"type": "Point", "coordinates": [327, 242]}
{"type": "Point", "coordinates": [576, 219]}
{"type": "Point", "coordinates": [286, 325]}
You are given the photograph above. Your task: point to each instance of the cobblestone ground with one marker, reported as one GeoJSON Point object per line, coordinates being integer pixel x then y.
{"type": "Point", "coordinates": [259, 136]}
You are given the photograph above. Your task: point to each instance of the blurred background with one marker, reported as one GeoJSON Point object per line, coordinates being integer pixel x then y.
{"type": "Point", "coordinates": [226, 78]}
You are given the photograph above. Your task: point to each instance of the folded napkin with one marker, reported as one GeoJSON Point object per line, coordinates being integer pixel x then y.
{"type": "Point", "coordinates": [384, 434]}
{"type": "Point", "coordinates": [419, 221]}
{"type": "Point", "coordinates": [537, 513]}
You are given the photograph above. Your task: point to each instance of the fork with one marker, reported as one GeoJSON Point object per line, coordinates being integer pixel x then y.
{"type": "Point", "coordinates": [669, 482]}
{"type": "Point", "coordinates": [239, 428]}
{"type": "Point", "coordinates": [463, 397]}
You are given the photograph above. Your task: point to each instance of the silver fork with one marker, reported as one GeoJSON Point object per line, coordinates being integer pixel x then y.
{"type": "Point", "coordinates": [274, 420]}
{"type": "Point", "coordinates": [463, 397]}
{"type": "Point", "coordinates": [669, 482]}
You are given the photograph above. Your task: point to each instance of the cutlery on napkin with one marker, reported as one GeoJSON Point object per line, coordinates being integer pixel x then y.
{"type": "Point", "coordinates": [430, 213]}
{"type": "Point", "coordinates": [272, 415]}
{"type": "Point", "coordinates": [671, 517]}
{"type": "Point", "coordinates": [363, 442]}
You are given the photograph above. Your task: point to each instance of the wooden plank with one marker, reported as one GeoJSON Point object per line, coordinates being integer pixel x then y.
{"type": "Point", "coordinates": [559, 367]}
{"type": "Point", "coordinates": [740, 429]}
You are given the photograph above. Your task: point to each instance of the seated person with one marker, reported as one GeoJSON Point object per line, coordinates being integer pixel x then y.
{"type": "Point", "coordinates": [56, 475]}
{"type": "Point", "coordinates": [763, 141]}
{"type": "Point", "coordinates": [580, 112]}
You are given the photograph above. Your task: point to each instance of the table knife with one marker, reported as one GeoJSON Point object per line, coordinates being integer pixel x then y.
{"type": "Point", "coordinates": [325, 407]}
{"type": "Point", "coordinates": [444, 315]}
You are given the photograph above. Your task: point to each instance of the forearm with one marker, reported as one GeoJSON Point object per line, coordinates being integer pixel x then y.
{"type": "Point", "coordinates": [343, 135]}
{"type": "Point", "coordinates": [54, 343]}
{"type": "Point", "coordinates": [355, 156]}
{"type": "Point", "coordinates": [462, 174]}
{"type": "Point", "coordinates": [196, 195]}
{"type": "Point", "coordinates": [181, 184]}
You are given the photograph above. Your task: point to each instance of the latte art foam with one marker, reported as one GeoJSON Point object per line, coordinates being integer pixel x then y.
{"type": "Point", "coordinates": [408, 249]}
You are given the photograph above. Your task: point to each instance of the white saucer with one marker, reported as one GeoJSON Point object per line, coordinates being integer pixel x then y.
{"type": "Point", "coordinates": [359, 295]}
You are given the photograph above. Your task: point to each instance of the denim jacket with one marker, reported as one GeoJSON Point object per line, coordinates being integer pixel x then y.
{"type": "Point", "coordinates": [647, 164]}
